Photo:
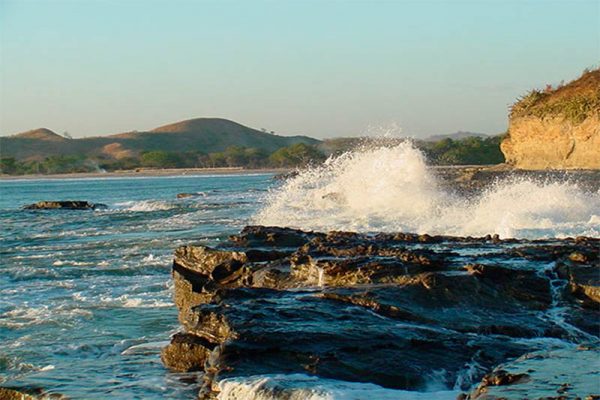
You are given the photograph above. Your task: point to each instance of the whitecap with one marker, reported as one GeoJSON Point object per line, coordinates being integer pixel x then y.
{"type": "Point", "coordinates": [305, 387]}
{"type": "Point", "coordinates": [146, 205]}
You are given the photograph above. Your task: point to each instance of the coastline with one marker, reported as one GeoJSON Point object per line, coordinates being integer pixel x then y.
{"type": "Point", "coordinates": [148, 172]}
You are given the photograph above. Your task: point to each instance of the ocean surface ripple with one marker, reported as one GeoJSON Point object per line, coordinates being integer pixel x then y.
{"type": "Point", "coordinates": [85, 296]}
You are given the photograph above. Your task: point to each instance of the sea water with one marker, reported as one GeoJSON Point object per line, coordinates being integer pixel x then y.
{"type": "Point", "coordinates": [86, 296]}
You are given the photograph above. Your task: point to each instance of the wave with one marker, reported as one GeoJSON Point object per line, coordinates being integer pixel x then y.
{"type": "Point", "coordinates": [124, 301]}
{"type": "Point", "coordinates": [146, 205]}
{"type": "Point", "coordinates": [26, 316]}
{"type": "Point", "coordinates": [305, 387]}
{"type": "Point", "coordinates": [392, 189]}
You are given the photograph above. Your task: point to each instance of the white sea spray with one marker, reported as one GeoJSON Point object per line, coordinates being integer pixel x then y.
{"type": "Point", "coordinates": [392, 189]}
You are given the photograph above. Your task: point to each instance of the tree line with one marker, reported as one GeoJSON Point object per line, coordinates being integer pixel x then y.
{"type": "Point", "coordinates": [472, 150]}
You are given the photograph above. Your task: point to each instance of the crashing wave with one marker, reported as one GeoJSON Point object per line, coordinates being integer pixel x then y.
{"type": "Point", "coordinates": [305, 387]}
{"type": "Point", "coordinates": [392, 189]}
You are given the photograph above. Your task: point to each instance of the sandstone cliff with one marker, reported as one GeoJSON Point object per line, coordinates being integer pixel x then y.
{"type": "Point", "coordinates": [557, 129]}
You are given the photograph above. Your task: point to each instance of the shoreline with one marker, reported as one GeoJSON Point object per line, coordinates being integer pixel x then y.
{"type": "Point", "coordinates": [148, 173]}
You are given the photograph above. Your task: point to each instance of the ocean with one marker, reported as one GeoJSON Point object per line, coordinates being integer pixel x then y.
{"type": "Point", "coordinates": [86, 296]}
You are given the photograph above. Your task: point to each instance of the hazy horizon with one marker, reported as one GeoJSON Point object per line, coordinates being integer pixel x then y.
{"type": "Point", "coordinates": [297, 68]}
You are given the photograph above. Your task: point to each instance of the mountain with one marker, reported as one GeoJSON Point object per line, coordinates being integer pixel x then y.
{"type": "Point", "coordinates": [207, 135]}
{"type": "Point", "coordinates": [40, 134]}
{"type": "Point", "coordinates": [455, 136]}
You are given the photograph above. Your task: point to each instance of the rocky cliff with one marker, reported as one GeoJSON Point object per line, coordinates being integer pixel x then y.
{"type": "Point", "coordinates": [557, 128]}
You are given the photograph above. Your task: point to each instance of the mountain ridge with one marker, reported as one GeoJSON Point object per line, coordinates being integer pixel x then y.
{"type": "Point", "coordinates": [197, 134]}
{"type": "Point", "coordinates": [39, 134]}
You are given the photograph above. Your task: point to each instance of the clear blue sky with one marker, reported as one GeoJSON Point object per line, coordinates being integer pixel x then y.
{"type": "Point", "coordinates": [322, 68]}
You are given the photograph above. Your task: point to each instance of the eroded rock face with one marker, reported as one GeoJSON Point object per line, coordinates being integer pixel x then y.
{"type": "Point", "coordinates": [396, 310]}
{"type": "Point", "coordinates": [64, 205]}
{"type": "Point", "coordinates": [553, 143]}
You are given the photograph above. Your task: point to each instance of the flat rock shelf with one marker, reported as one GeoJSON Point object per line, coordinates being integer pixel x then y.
{"type": "Point", "coordinates": [395, 310]}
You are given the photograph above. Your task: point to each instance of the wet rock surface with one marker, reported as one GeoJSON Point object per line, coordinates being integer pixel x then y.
{"type": "Point", "coordinates": [64, 205]}
{"type": "Point", "coordinates": [8, 393]}
{"type": "Point", "coordinates": [395, 310]}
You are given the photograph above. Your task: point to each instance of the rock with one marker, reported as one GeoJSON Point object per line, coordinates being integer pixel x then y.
{"type": "Point", "coordinates": [12, 394]}
{"type": "Point", "coordinates": [285, 176]}
{"type": "Point", "coordinates": [261, 236]}
{"type": "Point", "coordinates": [581, 270]}
{"type": "Point", "coordinates": [553, 143]}
{"type": "Point", "coordinates": [64, 205]}
{"type": "Point", "coordinates": [557, 129]}
{"type": "Point", "coordinates": [189, 195]}
{"type": "Point", "coordinates": [186, 353]}
{"type": "Point", "coordinates": [7, 393]}
{"type": "Point", "coordinates": [387, 309]}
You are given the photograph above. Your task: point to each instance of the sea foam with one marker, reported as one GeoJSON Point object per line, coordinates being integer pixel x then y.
{"type": "Point", "coordinates": [393, 189]}
{"type": "Point", "coordinates": [304, 387]}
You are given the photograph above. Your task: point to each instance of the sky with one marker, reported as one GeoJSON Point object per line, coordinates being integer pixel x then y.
{"type": "Point", "coordinates": [320, 68]}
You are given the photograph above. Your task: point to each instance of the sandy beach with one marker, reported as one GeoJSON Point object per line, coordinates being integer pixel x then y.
{"type": "Point", "coordinates": [149, 172]}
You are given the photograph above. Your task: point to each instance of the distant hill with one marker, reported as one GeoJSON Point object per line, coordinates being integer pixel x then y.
{"type": "Point", "coordinates": [40, 134]}
{"type": "Point", "coordinates": [456, 136]}
{"type": "Point", "coordinates": [207, 135]}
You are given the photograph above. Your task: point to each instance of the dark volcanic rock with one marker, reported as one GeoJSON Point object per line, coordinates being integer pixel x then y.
{"type": "Point", "coordinates": [64, 205]}
{"type": "Point", "coordinates": [389, 309]}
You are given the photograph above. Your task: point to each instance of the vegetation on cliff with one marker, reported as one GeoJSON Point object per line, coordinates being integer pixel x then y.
{"type": "Point", "coordinates": [575, 101]}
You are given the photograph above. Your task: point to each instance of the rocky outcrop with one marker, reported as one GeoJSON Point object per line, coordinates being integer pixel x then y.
{"type": "Point", "coordinates": [556, 129]}
{"type": "Point", "coordinates": [553, 143]}
{"type": "Point", "coordinates": [28, 394]}
{"type": "Point", "coordinates": [389, 309]}
{"type": "Point", "coordinates": [64, 205]}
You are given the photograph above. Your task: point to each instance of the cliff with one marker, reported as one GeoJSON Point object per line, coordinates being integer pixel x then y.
{"type": "Point", "coordinates": [558, 128]}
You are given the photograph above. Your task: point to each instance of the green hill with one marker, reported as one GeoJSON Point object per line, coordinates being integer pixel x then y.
{"type": "Point", "coordinates": [205, 135]}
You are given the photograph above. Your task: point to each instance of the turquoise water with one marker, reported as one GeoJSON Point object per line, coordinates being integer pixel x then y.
{"type": "Point", "coordinates": [85, 296]}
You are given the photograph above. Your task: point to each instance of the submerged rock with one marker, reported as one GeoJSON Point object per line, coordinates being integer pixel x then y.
{"type": "Point", "coordinates": [396, 310]}
{"type": "Point", "coordinates": [190, 195]}
{"type": "Point", "coordinates": [64, 205]}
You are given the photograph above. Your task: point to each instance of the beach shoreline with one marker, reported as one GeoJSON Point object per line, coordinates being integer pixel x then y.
{"type": "Point", "coordinates": [148, 172]}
